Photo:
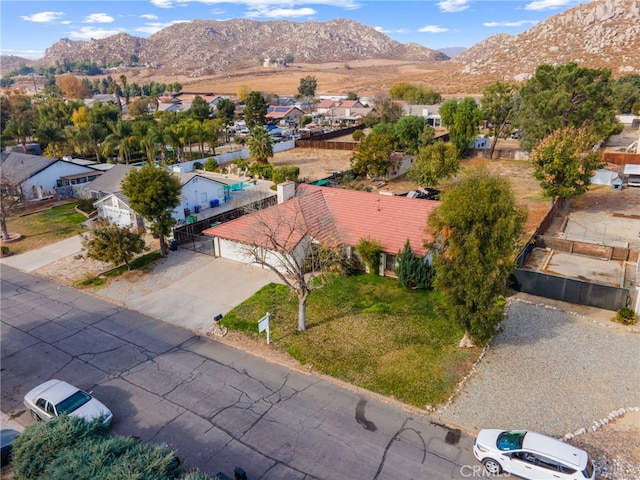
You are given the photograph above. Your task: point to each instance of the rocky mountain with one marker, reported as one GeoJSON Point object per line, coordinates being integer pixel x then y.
{"type": "Point", "coordinates": [202, 47]}
{"type": "Point", "coordinates": [601, 33]}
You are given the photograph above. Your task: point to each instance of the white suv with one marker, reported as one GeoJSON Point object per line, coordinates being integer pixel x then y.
{"type": "Point", "coordinates": [531, 455]}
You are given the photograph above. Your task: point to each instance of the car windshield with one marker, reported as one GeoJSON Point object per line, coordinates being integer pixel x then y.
{"type": "Point", "coordinates": [510, 440]}
{"type": "Point", "coordinates": [72, 403]}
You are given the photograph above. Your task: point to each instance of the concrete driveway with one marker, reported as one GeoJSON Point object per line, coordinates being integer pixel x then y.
{"type": "Point", "coordinates": [186, 288]}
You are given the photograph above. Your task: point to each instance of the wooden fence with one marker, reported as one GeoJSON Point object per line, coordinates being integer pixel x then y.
{"type": "Point", "coordinates": [619, 158]}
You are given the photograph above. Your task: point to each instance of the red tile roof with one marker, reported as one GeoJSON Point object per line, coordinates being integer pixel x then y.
{"type": "Point", "coordinates": [328, 213]}
{"type": "Point", "coordinates": [326, 104]}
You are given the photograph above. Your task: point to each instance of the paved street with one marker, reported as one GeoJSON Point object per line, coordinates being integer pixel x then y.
{"type": "Point", "coordinates": [219, 407]}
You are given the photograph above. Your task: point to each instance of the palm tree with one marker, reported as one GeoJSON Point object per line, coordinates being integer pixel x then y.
{"type": "Point", "coordinates": [260, 145]}
{"type": "Point", "coordinates": [95, 134]}
{"type": "Point", "coordinates": [152, 142]}
{"type": "Point", "coordinates": [184, 134]}
{"type": "Point", "coordinates": [50, 134]}
{"type": "Point", "coordinates": [122, 138]}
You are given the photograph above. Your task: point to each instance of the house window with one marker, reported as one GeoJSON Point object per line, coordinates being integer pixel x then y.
{"type": "Point", "coordinates": [203, 197]}
{"type": "Point", "coordinates": [389, 262]}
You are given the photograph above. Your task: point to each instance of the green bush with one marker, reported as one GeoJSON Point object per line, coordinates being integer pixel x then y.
{"type": "Point", "coordinates": [211, 165]}
{"type": "Point", "coordinates": [369, 252]}
{"type": "Point", "coordinates": [70, 447]}
{"type": "Point", "coordinates": [261, 170]}
{"type": "Point", "coordinates": [626, 316]}
{"type": "Point", "coordinates": [197, 166]}
{"type": "Point", "coordinates": [282, 174]}
{"type": "Point", "coordinates": [86, 205]}
{"type": "Point", "coordinates": [39, 445]}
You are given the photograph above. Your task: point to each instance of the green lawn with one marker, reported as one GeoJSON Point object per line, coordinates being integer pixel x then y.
{"type": "Point", "coordinates": [45, 227]}
{"type": "Point", "coordinates": [368, 331]}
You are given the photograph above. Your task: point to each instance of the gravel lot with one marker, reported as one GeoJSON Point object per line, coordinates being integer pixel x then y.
{"type": "Point", "coordinates": [556, 372]}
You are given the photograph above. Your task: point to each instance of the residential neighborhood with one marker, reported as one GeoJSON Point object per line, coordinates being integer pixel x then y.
{"type": "Point", "coordinates": [320, 284]}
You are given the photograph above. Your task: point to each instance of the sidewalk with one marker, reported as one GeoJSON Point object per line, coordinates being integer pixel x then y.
{"type": "Point", "coordinates": [35, 259]}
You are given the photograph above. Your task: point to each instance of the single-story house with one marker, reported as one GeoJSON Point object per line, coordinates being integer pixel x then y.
{"type": "Point", "coordinates": [278, 113]}
{"type": "Point", "coordinates": [38, 176]}
{"type": "Point", "coordinates": [314, 213]}
{"type": "Point", "coordinates": [198, 192]}
{"type": "Point", "coordinates": [430, 112]}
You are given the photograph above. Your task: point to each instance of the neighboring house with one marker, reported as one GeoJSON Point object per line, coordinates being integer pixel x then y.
{"type": "Point", "coordinates": [325, 106]}
{"type": "Point", "coordinates": [108, 183]}
{"type": "Point", "coordinates": [198, 192]}
{"type": "Point", "coordinates": [277, 113]}
{"type": "Point", "coordinates": [400, 165]}
{"type": "Point", "coordinates": [430, 112]}
{"type": "Point", "coordinates": [287, 101]}
{"type": "Point", "coordinates": [349, 115]}
{"type": "Point", "coordinates": [174, 107]}
{"type": "Point", "coordinates": [38, 176]}
{"type": "Point", "coordinates": [330, 214]}
{"type": "Point", "coordinates": [103, 98]}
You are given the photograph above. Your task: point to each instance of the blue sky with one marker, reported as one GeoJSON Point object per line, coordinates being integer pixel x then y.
{"type": "Point", "coordinates": [29, 27]}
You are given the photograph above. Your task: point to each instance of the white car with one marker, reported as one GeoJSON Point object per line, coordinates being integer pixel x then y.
{"type": "Point", "coordinates": [56, 397]}
{"type": "Point", "coordinates": [531, 455]}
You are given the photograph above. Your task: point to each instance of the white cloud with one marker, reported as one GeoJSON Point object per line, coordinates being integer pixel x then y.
{"type": "Point", "coordinates": [433, 29]}
{"type": "Point", "coordinates": [397, 30]}
{"type": "Point", "coordinates": [149, 16]}
{"type": "Point", "coordinates": [546, 4]}
{"type": "Point", "coordinates": [518, 23]}
{"type": "Point", "coordinates": [98, 18]}
{"type": "Point", "coordinates": [153, 27]}
{"type": "Point", "coordinates": [87, 33]}
{"type": "Point", "coordinates": [43, 17]}
{"type": "Point", "coordinates": [162, 3]}
{"type": "Point", "coordinates": [452, 6]}
{"type": "Point", "coordinates": [30, 54]}
{"type": "Point", "coordinates": [269, 12]}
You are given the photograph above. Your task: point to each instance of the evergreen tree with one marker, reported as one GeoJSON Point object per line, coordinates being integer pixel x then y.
{"type": "Point", "coordinates": [153, 194]}
{"type": "Point", "coordinates": [477, 230]}
{"type": "Point", "coordinates": [413, 271]}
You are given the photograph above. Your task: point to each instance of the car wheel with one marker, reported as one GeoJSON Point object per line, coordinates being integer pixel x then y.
{"type": "Point", "coordinates": [35, 416]}
{"type": "Point", "coordinates": [493, 467]}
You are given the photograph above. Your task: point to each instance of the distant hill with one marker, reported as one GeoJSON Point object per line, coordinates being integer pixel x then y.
{"type": "Point", "coordinates": [202, 47]}
{"type": "Point", "coordinates": [602, 33]}
{"type": "Point", "coordinates": [9, 63]}
{"type": "Point", "coordinates": [452, 51]}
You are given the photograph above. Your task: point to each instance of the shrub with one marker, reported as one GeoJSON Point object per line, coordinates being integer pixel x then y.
{"type": "Point", "coordinates": [39, 445]}
{"type": "Point", "coordinates": [357, 135]}
{"type": "Point", "coordinates": [413, 271]}
{"type": "Point", "coordinates": [70, 447]}
{"type": "Point", "coordinates": [282, 174]}
{"type": "Point", "coordinates": [211, 165]}
{"type": "Point", "coordinates": [86, 205]}
{"type": "Point", "coordinates": [626, 316]}
{"type": "Point", "coordinates": [369, 252]}
{"type": "Point", "coordinates": [197, 166]}
{"type": "Point", "coordinates": [262, 170]}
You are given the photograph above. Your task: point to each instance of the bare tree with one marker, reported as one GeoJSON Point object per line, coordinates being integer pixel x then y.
{"type": "Point", "coordinates": [10, 200]}
{"type": "Point", "coordinates": [298, 241]}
